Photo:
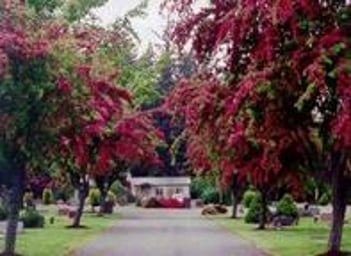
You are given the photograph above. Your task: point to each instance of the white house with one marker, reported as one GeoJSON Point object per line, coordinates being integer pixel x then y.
{"type": "Point", "coordinates": [161, 187]}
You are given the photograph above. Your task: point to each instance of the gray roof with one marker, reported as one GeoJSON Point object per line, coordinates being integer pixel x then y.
{"type": "Point", "coordinates": [159, 181]}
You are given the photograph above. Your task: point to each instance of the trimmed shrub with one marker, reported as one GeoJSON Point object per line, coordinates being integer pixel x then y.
{"type": "Point", "coordinates": [94, 197]}
{"type": "Point", "coordinates": [111, 197]}
{"type": "Point", "coordinates": [248, 196]}
{"type": "Point", "coordinates": [48, 196]}
{"type": "Point", "coordinates": [31, 218]}
{"type": "Point", "coordinates": [254, 211]}
{"type": "Point", "coordinates": [253, 214]}
{"type": "Point", "coordinates": [286, 206]}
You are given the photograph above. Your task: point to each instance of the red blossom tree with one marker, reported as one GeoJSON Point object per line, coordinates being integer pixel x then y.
{"type": "Point", "coordinates": [60, 103]}
{"type": "Point", "coordinates": [26, 89]}
{"type": "Point", "coordinates": [99, 127]}
{"type": "Point", "coordinates": [275, 105]}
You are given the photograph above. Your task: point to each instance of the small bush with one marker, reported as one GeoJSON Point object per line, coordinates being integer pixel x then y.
{"type": "Point", "coordinates": [94, 197]}
{"type": "Point", "coordinates": [111, 197]}
{"type": "Point", "coordinates": [3, 213]}
{"type": "Point", "coordinates": [248, 196]}
{"type": "Point", "coordinates": [324, 199]}
{"type": "Point", "coordinates": [286, 206]}
{"type": "Point", "coordinates": [255, 210]}
{"type": "Point", "coordinates": [31, 218]}
{"type": "Point", "coordinates": [253, 214]}
{"type": "Point", "coordinates": [48, 196]}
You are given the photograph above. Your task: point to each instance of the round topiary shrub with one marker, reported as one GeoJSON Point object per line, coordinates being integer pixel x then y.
{"type": "Point", "coordinates": [248, 196]}
{"type": "Point", "coordinates": [253, 213]}
{"type": "Point", "coordinates": [31, 218]}
{"type": "Point", "coordinates": [111, 197]}
{"type": "Point", "coordinates": [94, 197]}
{"type": "Point", "coordinates": [286, 206]}
{"type": "Point", "coordinates": [48, 196]}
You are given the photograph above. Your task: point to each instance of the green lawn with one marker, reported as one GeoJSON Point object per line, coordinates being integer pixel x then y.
{"type": "Point", "coordinates": [56, 240]}
{"type": "Point", "coordinates": [305, 239]}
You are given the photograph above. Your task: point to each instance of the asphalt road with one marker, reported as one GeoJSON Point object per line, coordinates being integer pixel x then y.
{"type": "Point", "coordinates": [160, 232]}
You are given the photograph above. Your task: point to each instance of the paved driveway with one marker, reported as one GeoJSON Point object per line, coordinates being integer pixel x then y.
{"type": "Point", "coordinates": [160, 232]}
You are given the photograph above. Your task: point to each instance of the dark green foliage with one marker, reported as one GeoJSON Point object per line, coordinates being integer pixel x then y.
{"type": "Point", "coordinates": [253, 214]}
{"type": "Point", "coordinates": [255, 210]}
{"type": "Point", "coordinates": [122, 192]}
{"type": "Point", "coordinates": [325, 199]}
{"type": "Point", "coordinates": [202, 186]}
{"type": "Point", "coordinates": [227, 197]}
{"type": "Point", "coordinates": [210, 195]}
{"type": "Point", "coordinates": [32, 218]}
{"type": "Point", "coordinates": [197, 186]}
{"type": "Point", "coordinates": [64, 192]}
{"type": "Point", "coordinates": [48, 196]}
{"type": "Point", "coordinates": [3, 213]}
{"type": "Point", "coordinates": [315, 189]}
{"type": "Point", "coordinates": [286, 206]}
{"type": "Point", "coordinates": [47, 6]}
{"type": "Point", "coordinates": [248, 196]}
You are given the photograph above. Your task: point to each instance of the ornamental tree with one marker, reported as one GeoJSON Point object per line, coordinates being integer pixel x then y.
{"type": "Point", "coordinates": [26, 91]}
{"type": "Point", "coordinates": [274, 102]}
{"type": "Point", "coordinates": [99, 128]}
{"type": "Point", "coordinates": [60, 104]}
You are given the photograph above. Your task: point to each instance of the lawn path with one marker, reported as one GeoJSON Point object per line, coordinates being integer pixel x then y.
{"type": "Point", "coordinates": [160, 232]}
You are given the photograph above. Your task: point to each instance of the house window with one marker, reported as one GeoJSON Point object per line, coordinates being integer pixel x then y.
{"type": "Point", "coordinates": [159, 191]}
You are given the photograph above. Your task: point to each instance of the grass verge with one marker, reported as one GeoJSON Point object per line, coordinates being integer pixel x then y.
{"type": "Point", "coordinates": [306, 239]}
{"type": "Point", "coordinates": [58, 240]}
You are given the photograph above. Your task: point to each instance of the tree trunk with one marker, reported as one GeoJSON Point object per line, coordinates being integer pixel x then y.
{"type": "Point", "coordinates": [103, 201]}
{"type": "Point", "coordinates": [316, 195]}
{"type": "Point", "coordinates": [263, 211]}
{"type": "Point", "coordinates": [339, 202]}
{"type": "Point", "coordinates": [103, 186]}
{"type": "Point", "coordinates": [82, 194]}
{"type": "Point", "coordinates": [14, 205]}
{"type": "Point", "coordinates": [235, 204]}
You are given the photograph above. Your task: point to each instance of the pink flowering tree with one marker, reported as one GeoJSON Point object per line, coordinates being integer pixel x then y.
{"type": "Point", "coordinates": [273, 103]}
